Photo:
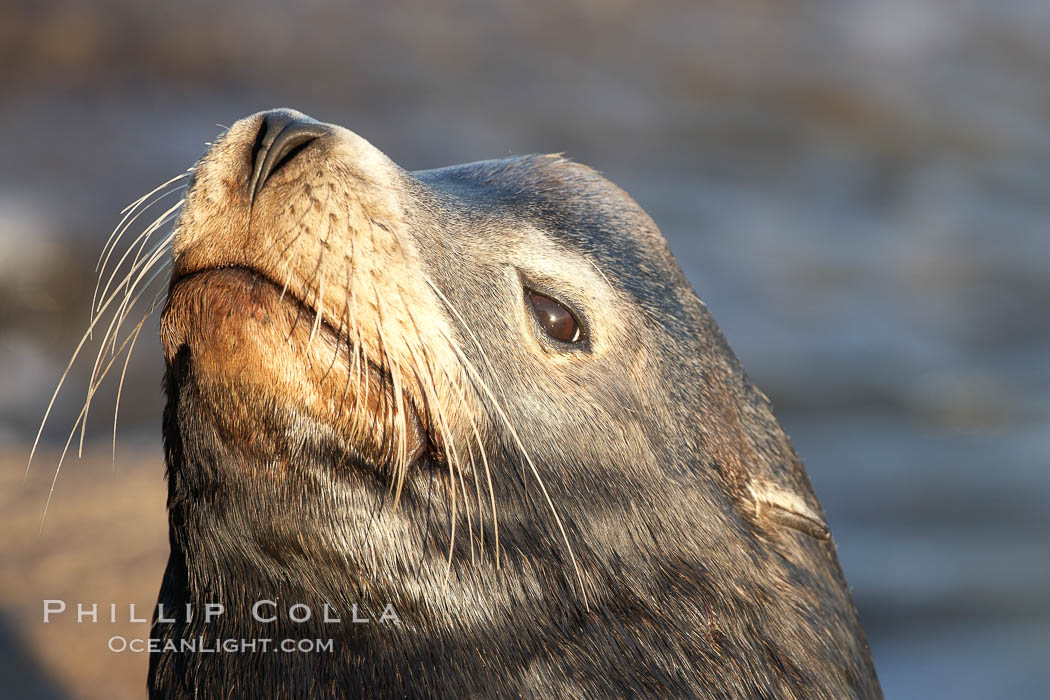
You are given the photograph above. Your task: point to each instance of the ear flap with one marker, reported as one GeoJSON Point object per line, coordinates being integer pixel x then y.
{"type": "Point", "coordinates": [761, 470]}
{"type": "Point", "coordinates": [787, 509]}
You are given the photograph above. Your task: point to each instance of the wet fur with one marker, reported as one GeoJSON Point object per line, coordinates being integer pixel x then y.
{"type": "Point", "coordinates": [660, 459]}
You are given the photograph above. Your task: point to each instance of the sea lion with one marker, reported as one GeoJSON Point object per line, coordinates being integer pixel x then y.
{"type": "Point", "coordinates": [485, 398]}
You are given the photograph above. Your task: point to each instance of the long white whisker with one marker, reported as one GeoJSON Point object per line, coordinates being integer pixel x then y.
{"type": "Point", "coordinates": [155, 254]}
{"type": "Point", "coordinates": [121, 313]}
{"type": "Point", "coordinates": [399, 403]}
{"type": "Point", "coordinates": [141, 238]}
{"type": "Point", "coordinates": [127, 211]}
{"type": "Point", "coordinates": [428, 382]}
{"type": "Point", "coordinates": [122, 228]}
{"type": "Point", "coordinates": [83, 412]}
{"type": "Point", "coordinates": [123, 373]}
{"type": "Point", "coordinates": [449, 448]}
{"type": "Point", "coordinates": [514, 434]}
{"type": "Point", "coordinates": [319, 311]}
{"type": "Point", "coordinates": [76, 353]}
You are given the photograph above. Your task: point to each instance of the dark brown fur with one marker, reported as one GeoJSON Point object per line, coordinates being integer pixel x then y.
{"type": "Point", "coordinates": [657, 534]}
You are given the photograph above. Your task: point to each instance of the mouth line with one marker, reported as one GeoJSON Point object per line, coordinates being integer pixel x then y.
{"type": "Point", "coordinates": [414, 417]}
{"type": "Point", "coordinates": [286, 293]}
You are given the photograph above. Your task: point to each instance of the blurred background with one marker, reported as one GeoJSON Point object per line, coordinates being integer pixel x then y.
{"type": "Point", "coordinates": [859, 191]}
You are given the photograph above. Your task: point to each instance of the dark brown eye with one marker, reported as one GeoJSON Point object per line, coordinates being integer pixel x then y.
{"type": "Point", "coordinates": [555, 319]}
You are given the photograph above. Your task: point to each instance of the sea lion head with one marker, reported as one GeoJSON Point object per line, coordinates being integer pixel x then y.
{"type": "Point", "coordinates": [486, 393]}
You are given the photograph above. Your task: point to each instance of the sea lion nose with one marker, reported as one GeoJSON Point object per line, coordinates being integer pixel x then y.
{"type": "Point", "coordinates": [282, 134]}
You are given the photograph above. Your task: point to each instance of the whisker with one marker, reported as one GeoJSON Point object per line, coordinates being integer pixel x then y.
{"type": "Point", "coordinates": [126, 211]}
{"type": "Point", "coordinates": [481, 506]}
{"type": "Point", "coordinates": [140, 240]}
{"type": "Point", "coordinates": [91, 390]}
{"type": "Point", "coordinates": [399, 406]}
{"type": "Point", "coordinates": [344, 320]}
{"type": "Point", "coordinates": [159, 251]}
{"type": "Point", "coordinates": [398, 398]}
{"type": "Point", "coordinates": [76, 353]}
{"type": "Point", "coordinates": [319, 311]}
{"type": "Point", "coordinates": [351, 313]}
{"type": "Point", "coordinates": [123, 372]}
{"type": "Point", "coordinates": [447, 437]}
{"type": "Point", "coordinates": [514, 434]}
{"type": "Point", "coordinates": [121, 313]}
{"type": "Point", "coordinates": [122, 228]}
{"type": "Point", "coordinates": [429, 386]}
{"type": "Point", "coordinates": [488, 473]}
{"type": "Point", "coordinates": [289, 265]}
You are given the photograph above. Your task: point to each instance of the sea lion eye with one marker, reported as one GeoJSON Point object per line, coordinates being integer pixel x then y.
{"type": "Point", "coordinates": [555, 319]}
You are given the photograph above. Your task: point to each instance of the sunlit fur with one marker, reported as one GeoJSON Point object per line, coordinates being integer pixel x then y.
{"type": "Point", "coordinates": [360, 410]}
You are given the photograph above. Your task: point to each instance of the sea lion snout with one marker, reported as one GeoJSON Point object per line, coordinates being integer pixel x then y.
{"type": "Point", "coordinates": [282, 134]}
{"type": "Point", "coordinates": [305, 222]}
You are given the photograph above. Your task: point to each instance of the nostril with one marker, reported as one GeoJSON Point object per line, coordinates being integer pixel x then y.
{"type": "Point", "coordinates": [260, 139]}
{"type": "Point", "coordinates": [283, 150]}
{"type": "Point", "coordinates": [282, 135]}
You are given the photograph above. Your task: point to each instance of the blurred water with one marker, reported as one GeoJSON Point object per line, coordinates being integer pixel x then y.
{"type": "Point", "coordinates": [858, 190]}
